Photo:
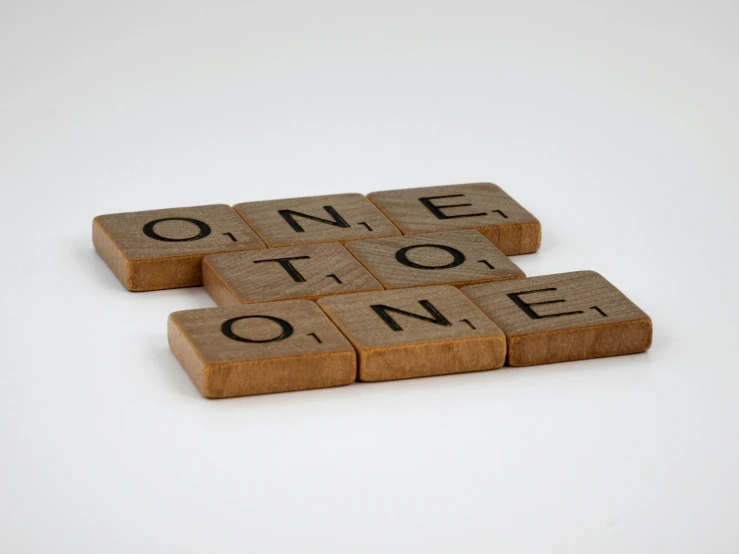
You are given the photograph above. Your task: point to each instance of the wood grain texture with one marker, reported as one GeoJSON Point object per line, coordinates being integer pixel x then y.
{"type": "Point", "coordinates": [441, 332]}
{"type": "Point", "coordinates": [334, 218]}
{"type": "Point", "coordinates": [481, 206]}
{"type": "Point", "coordinates": [299, 349]}
{"type": "Point", "coordinates": [564, 317]}
{"type": "Point", "coordinates": [148, 254]}
{"type": "Point", "coordinates": [450, 258]}
{"type": "Point", "coordinates": [309, 271]}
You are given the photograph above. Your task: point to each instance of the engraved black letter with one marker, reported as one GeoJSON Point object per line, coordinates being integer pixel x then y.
{"type": "Point", "coordinates": [287, 266]}
{"type": "Point", "coordinates": [289, 216]}
{"type": "Point", "coordinates": [226, 328]}
{"type": "Point", "coordinates": [526, 307]}
{"type": "Point", "coordinates": [152, 234]}
{"type": "Point", "coordinates": [436, 210]}
{"type": "Point", "coordinates": [402, 256]}
{"type": "Point", "coordinates": [436, 316]}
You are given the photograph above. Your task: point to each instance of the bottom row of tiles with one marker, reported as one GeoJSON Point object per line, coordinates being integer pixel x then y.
{"type": "Point", "coordinates": [397, 334]}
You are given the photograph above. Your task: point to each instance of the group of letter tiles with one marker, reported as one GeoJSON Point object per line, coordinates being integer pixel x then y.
{"type": "Point", "coordinates": [323, 291]}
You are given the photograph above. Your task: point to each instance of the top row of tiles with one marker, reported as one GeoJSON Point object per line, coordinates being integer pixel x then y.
{"type": "Point", "coordinates": [145, 248]}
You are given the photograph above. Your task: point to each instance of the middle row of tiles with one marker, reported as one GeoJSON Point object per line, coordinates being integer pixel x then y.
{"type": "Point", "coordinates": [316, 270]}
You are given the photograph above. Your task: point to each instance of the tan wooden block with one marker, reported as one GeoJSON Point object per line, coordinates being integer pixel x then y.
{"type": "Point", "coordinates": [481, 206]}
{"type": "Point", "coordinates": [334, 218]}
{"type": "Point", "coordinates": [451, 258]}
{"type": "Point", "coordinates": [564, 317]}
{"type": "Point", "coordinates": [416, 332]}
{"type": "Point", "coordinates": [309, 271]}
{"type": "Point", "coordinates": [164, 249]}
{"type": "Point", "coordinates": [261, 348]}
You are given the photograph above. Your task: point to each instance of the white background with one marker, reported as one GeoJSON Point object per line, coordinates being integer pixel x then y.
{"type": "Point", "coordinates": [615, 123]}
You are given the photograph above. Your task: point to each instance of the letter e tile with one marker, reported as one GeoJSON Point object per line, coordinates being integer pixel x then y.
{"type": "Point", "coordinates": [481, 206]}
{"type": "Point", "coordinates": [564, 317]}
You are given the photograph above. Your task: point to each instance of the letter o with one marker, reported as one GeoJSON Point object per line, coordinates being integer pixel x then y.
{"type": "Point", "coordinates": [227, 328]}
{"type": "Point", "coordinates": [151, 233]}
{"type": "Point", "coordinates": [402, 256]}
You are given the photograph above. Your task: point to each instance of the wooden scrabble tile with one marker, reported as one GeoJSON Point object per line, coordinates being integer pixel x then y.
{"type": "Point", "coordinates": [481, 206]}
{"type": "Point", "coordinates": [163, 249]}
{"type": "Point", "coordinates": [308, 271]}
{"type": "Point", "coordinates": [558, 318]}
{"type": "Point", "coordinates": [416, 332]}
{"type": "Point", "coordinates": [261, 348]}
{"type": "Point", "coordinates": [334, 218]}
{"type": "Point", "coordinates": [451, 258]}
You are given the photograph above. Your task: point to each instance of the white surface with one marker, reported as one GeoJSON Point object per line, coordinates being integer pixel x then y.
{"type": "Point", "coordinates": [615, 125]}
